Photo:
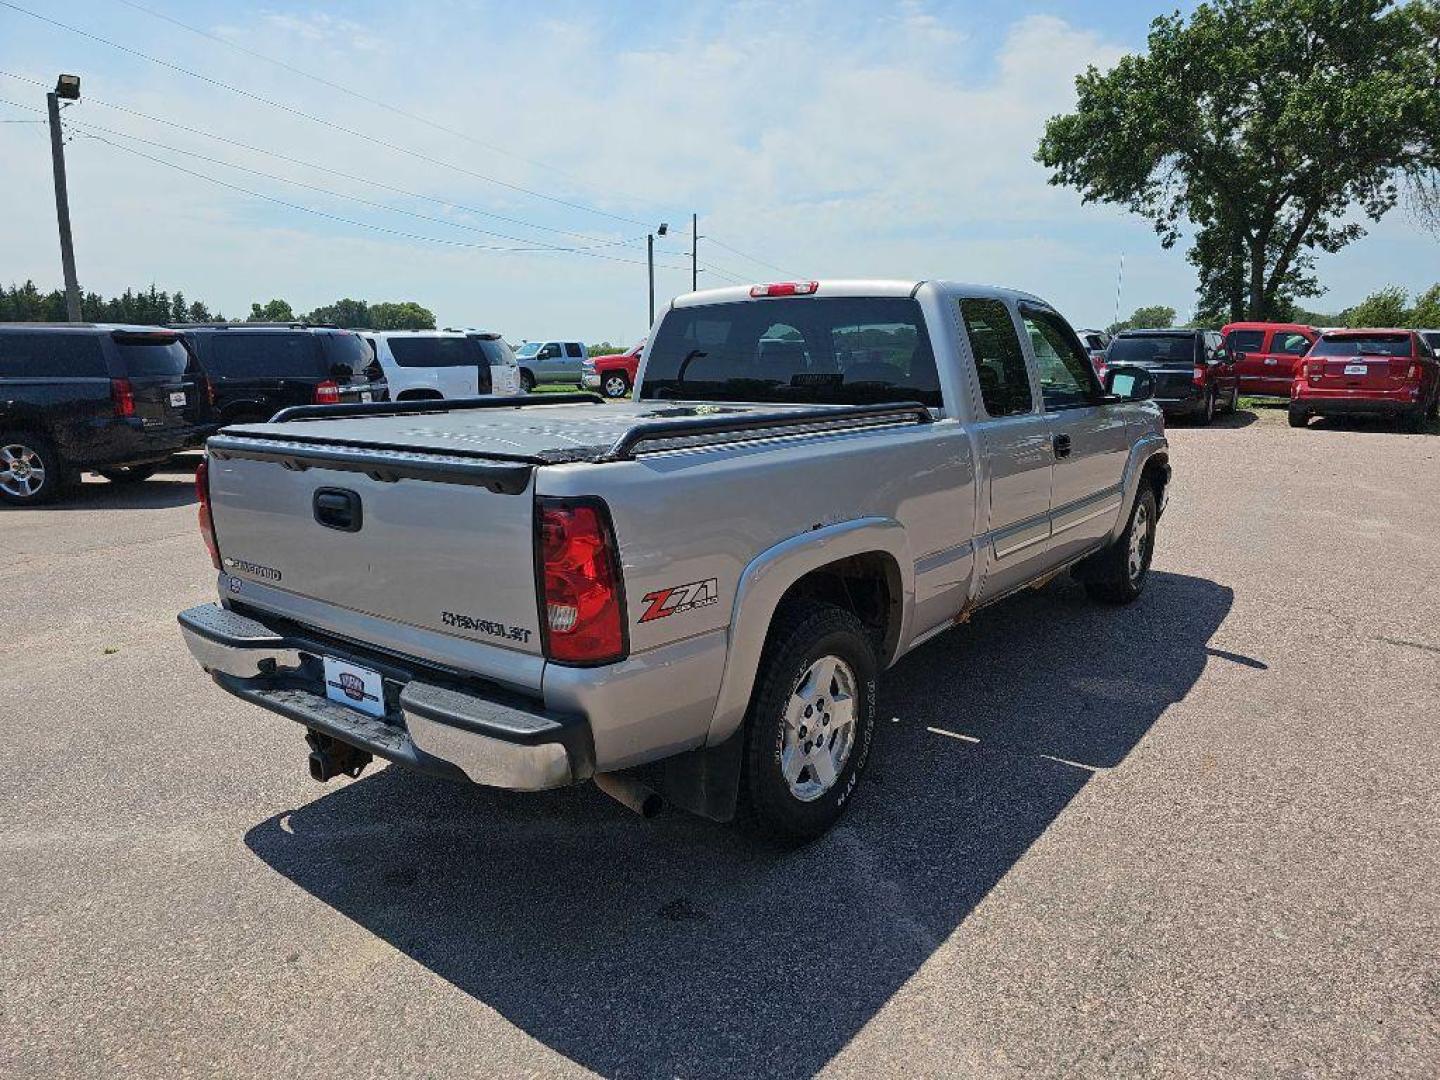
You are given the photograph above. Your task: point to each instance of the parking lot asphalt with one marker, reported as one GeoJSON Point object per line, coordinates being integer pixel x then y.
{"type": "Point", "coordinates": [1193, 837]}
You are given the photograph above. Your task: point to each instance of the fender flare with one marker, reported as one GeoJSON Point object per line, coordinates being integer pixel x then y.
{"type": "Point", "coordinates": [1145, 449]}
{"type": "Point", "coordinates": [765, 581]}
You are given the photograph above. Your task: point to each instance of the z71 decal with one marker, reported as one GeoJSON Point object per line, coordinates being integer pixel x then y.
{"type": "Point", "coordinates": [678, 598]}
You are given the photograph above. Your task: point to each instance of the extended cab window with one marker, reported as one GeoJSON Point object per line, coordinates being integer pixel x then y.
{"type": "Point", "coordinates": [573, 349]}
{"type": "Point", "coordinates": [433, 352]}
{"type": "Point", "coordinates": [51, 356]}
{"type": "Point", "coordinates": [235, 354]}
{"type": "Point", "coordinates": [1067, 379]}
{"type": "Point", "coordinates": [1245, 340]}
{"type": "Point", "coordinates": [825, 350]}
{"type": "Point", "coordinates": [999, 363]}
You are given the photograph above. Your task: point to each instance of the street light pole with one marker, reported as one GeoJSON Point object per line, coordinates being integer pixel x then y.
{"type": "Point", "coordinates": [67, 87]}
{"type": "Point", "coordinates": [650, 263]}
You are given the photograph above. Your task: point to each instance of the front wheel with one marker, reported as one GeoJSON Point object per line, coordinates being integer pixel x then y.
{"type": "Point", "coordinates": [527, 381]}
{"type": "Point", "coordinates": [616, 385]}
{"type": "Point", "coordinates": [128, 474]}
{"type": "Point", "coordinates": [31, 471]}
{"type": "Point", "coordinates": [810, 724]}
{"type": "Point", "coordinates": [1117, 574]}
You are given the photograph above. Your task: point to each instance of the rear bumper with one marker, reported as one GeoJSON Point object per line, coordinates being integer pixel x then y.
{"type": "Point", "coordinates": [1181, 406]}
{"type": "Point", "coordinates": [1344, 403]}
{"type": "Point", "coordinates": [436, 724]}
{"type": "Point", "coordinates": [118, 443]}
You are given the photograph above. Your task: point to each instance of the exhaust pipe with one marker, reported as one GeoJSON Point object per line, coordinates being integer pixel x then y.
{"type": "Point", "coordinates": [632, 794]}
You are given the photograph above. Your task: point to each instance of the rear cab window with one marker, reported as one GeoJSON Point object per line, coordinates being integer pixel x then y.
{"type": "Point", "coordinates": [1153, 349]}
{"type": "Point", "coordinates": [236, 354]}
{"type": "Point", "coordinates": [414, 352]}
{"type": "Point", "coordinates": [999, 362]}
{"type": "Point", "coordinates": [820, 350]}
{"type": "Point", "coordinates": [61, 355]}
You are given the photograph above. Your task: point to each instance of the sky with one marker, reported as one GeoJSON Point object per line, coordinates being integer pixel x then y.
{"type": "Point", "coordinates": [829, 139]}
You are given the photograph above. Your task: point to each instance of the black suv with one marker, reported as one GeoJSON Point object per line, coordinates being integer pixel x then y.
{"type": "Point", "coordinates": [253, 370]}
{"type": "Point", "coordinates": [117, 400]}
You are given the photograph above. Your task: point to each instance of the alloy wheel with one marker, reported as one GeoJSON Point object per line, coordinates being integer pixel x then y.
{"type": "Point", "coordinates": [615, 386]}
{"type": "Point", "coordinates": [819, 730]}
{"type": "Point", "coordinates": [22, 471]}
{"type": "Point", "coordinates": [1139, 542]}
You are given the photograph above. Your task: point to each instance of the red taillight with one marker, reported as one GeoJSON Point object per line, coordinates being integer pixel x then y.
{"type": "Point", "coordinates": [1405, 369]}
{"type": "Point", "coordinates": [1201, 373]}
{"type": "Point", "coordinates": [785, 288]}
{"type": "Point", "coordinates": [207, 523]}
{"type": "Point", "coordinates": [581, 582]}
{"type": "Point", "coordinates": [327, 393]}
{"type": "Point", "coordinates": [122, 394]}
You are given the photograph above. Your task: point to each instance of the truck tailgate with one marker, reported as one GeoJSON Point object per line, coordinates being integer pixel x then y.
{"type": "Point", "coordinates": [455, 558]}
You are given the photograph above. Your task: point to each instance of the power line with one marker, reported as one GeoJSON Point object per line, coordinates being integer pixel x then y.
{"type": "Point", "coordinates": [752, 258]}
{"type": "Point", "coordinates": [351, 92]}
{"type": "Point", "coordinates": [316, 119]}
{"type": "Point", "coordinates": [327, 169]}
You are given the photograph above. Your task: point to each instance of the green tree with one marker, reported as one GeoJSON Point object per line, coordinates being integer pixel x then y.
{"type": "Point", "coordinates": [406, 315]}
{"type": "Point", "coordinates": [1265, 151]}
{"type": "Point", "coordinates": [352, 314]}
{"type": "Point", "coordinates": [1154, 317]}
{"type": "Point", "coordinates": [1387, 307]}
{"type": "Point", "coordinates": [1426, 315]}
{"type": "Point", "coordinates": [274, 311]}
{"type": "Point", "coordinates": [604, 349]}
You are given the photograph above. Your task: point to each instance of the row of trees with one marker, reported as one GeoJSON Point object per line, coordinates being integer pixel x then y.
{"type": "Point", "coordinates": [1390, 306]}
{"type": "Point", "coordinates": [1259, 128]}
{"type": "Point", "coordinates": [154, 307]}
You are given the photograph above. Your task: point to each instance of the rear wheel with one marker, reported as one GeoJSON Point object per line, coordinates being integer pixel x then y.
{"type": "Point", "coordinates": [811, 720]}
{"type": "Point", "coordinates": [1117, 575]}
{"type": "Point", "coordinates": [615, 384]}
{"type": "Point", "coordinates": [31, 471]}
{"type": "Point", "coordinates": [1207, 413]}
{"type": "Point", "coordinates": [1299, 417]}
{"type": "Point", "coordinates": [129, 474]}
{"type": "Point", "coordinates": [1413, 420]}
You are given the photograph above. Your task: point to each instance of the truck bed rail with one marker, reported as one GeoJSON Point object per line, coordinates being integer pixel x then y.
{"type": "Point", "coordinates": [427, 405]}
{"type": "Point", "coordinates": [746, 425]}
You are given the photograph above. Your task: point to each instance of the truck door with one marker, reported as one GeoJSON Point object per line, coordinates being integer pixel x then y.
{"type": "Point", "coordinates": [1247, 346]}
{"type": "Point", "coordinates": [1090, 440]}
{"type": "Point", "coordinates": [1016, 460]}
{"type": "Point", "coordinates": [574, 362]}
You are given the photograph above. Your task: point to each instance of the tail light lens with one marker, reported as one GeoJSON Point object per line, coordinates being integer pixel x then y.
{"type": "Point", "coordinates": [327, 393]}
{"type": "Point", "coordinates": [1201, 373]}
{"type": "Point", "coordinates": [580, 582]}
{"type": "Point", "coordinates": [207, 523]}
{"type": "Point", "coordinates": [1316, 371]}
{"type": "Point", "coordinates": [122, 394]}
{"type": "Point", "coordinates": [1405, 369]}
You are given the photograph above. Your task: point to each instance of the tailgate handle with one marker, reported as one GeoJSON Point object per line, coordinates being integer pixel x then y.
{"type": "Point", "coordinates": [338, 508]}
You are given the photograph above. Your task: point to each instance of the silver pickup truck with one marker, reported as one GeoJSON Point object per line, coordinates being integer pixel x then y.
{"type": "Point", "coordinates": [692, 592]}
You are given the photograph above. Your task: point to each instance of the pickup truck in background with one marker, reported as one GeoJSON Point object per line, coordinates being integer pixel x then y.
{"type": "Point", "coordinates": [692, 592]}
{"type": "Point", "coordinates": [614, 374]}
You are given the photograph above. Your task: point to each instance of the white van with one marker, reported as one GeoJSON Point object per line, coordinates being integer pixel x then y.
{"type": "Point", "coordinates": [444, 363]}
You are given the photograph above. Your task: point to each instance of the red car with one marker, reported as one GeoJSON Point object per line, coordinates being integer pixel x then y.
{"type": "Point", "coordinates": [614, 374]}
{"type": "Point", "coordinates": [1390, 372]}
{"type": "Point", "coordinates": [1267, 355]}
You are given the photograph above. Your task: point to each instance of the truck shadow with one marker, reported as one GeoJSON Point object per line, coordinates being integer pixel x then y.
{"type": "Point", "coordinates": [676, 947]}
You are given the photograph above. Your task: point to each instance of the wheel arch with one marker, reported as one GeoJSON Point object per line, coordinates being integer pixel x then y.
{"type": "Point", "coordinates": [1149, 463]}
{"type": "Point", "coordinates": [869, 556]}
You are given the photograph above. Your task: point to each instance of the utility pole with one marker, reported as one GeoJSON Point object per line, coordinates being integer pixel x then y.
{"type": "Point", "coordinates": [694, 249]}
{"type": "Point", "coordinates": [67, 87]}
{"type": "Point", "coordinates": [650, 262]}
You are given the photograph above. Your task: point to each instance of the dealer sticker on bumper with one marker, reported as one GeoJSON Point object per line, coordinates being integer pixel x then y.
{"type": "Point", "coordinates": [355, 686]}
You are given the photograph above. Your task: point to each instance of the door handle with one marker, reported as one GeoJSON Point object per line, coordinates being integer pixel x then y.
{"type": "Point", "coordinates": [338, 508]}
{"type": "Point", "coordinates": [1062, 445]}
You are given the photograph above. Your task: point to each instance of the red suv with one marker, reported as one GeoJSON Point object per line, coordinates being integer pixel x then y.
{"type": "Point", "coordinates": [614, 374]}
{"type": "Point", "coordinates": [1391, 372]}
{"type": "Point", "coordinates": [1267, 355]}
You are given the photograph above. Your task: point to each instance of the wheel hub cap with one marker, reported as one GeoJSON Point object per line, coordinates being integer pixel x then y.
{"type": "Point", "coordinates": [22, 473]}
{"type": "Point", "coordinates": [1139, 539]}
{"type": "Point", "coordinates": [819, 728]}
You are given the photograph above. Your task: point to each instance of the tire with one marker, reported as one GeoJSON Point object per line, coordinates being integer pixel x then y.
{"type": "Point", "coordinates": [615, 384]}
{"type": "Point", "coordinates": [129, 474]}
{"type": "Point", "coordinates": [1413, 422]}
{"type": "Point", "coordinates": [1299, 417]}
{"type": "Point", "coordinates": [527, 381]}
{"type": "Point", "coordinates": [1433, 413]}
{"type": "Point", "coordinates": [1207, 414]}
{"type": "Point", "coordinates": [1117, 575]}
{"type": "Point", "coordinates": [791, 791]}
{"type": "Point", "coordinates": [1233, 406]}
{"type": "Point", "coordinates": [31, 470]}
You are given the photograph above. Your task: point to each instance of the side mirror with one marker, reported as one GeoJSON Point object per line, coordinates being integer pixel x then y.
{"type": "Point", "coordinates": [341, 373]}
{"type": "Point", "coordinates": [1125, 383]}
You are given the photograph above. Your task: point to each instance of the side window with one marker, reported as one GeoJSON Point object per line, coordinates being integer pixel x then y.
{"type": "Point", "coordinates": [1067, 379]}
{"type": "Point", "coordinates": [1246, 341]}
{"type": "Point", "coordinates": [549, 352]}
{"type": "Point", "coordinates": [51, 356]}
{"type": "Point", "coordinates": [1290, 343]}
{"type": "Point", "coordinates": [572, 348]}
{"type": "Point", "coordinates": [999, 363]}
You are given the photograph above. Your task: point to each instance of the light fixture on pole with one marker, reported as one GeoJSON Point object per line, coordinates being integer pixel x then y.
{"type": "Point", "coordinates": [650, 262]}
{"type": "Point", "coordinates": [67, 88]}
